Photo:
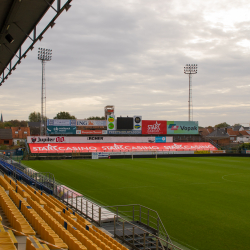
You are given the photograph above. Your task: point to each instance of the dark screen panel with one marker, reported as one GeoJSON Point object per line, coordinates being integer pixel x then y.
{"type": "Point", "coordinates": [124, 123]}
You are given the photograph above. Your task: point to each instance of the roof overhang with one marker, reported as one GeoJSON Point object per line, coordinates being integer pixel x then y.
{"type": "Point", "coordinates": [18, 21]}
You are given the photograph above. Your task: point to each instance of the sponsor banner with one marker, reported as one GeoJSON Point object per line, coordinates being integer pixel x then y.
{"type": "Point", "coordinates": [91, 123]}
{"type": "Point", "coordinates": [124, 132]}
{"type": "Point", "coordinates": [92, 132]}
{"type": "Point", "coordinates": [61, 122]}
{"type": "Point", "coordinates": [154, 127]}
{"type": "Point", "coordinates": [160, 139]}
{"type": "Point", "coordinates": [111, 122]}
{"type": "Point", "coordinates": [202, 152]}
{"type": "Point", "coordinates": [218, 151]}
{"type": "Point", "coordinates": [182, 127]}
{"type": "Point", "coordinates": [90, 138]}
{"type": "Point", "coordinates": [106, 154]}
{"type": "Point", "coordinates": [116, 147]}
{"type": "Point", "coordinates": [137, 122]}
{"type": "Point", "coordinates": [95, 156]}
{"type": "Point", "coordinates": [61, 130]}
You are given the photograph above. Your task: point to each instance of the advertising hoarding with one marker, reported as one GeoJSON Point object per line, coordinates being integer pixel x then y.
{"type": "Point", "coordinates": [182, 127]}
{"type": "Point", "coordinates": [137, 122]}
{"type": "Point", "coordinates": [124, 132]}
{"type": "Point", "coordinates": [111, 124]}
{"type": "Point", "coordinates": [152, 127]}
{"type": "Point", "coordinates": [160, 139]}
{"type": "Point", "coordinates": [61, 130]}
{"type": "Point", "coordinates": [116, 147]}
{"type": "Point", "coordinates": [91, 123]}
{"type": "Point", "coordinates": [61, 122]}
{"type": "Point", "coordinates": [90, 139]}
{"type": "Point", "coordinates": [91, 132]}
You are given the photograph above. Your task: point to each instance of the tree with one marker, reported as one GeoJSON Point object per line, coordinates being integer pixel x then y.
{"type": "Point", "coordinates": [237, 124]}
{"type": "Point", "coordinates": [222, 125]}
{"type": "Point", "coordinates": [96, 118]}
{"type": "Point", "coordinates": [64, 115]}
{"type": "Point", "coordinates": [35, 117]}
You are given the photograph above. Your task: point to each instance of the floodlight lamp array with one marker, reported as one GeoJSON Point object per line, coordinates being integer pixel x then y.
{"type": "Point", "coordinates": [190, 69]}
{"type": "Point", "coordinates": [44, 54]}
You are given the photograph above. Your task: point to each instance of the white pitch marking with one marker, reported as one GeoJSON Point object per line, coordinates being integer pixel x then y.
{"type": "Point", "coordinates": [230, 180]}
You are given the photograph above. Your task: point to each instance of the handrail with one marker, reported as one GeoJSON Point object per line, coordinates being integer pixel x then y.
{"type": "Point", "coordinates": [117, 219]}
{"type": "Point", "coordinates": [158, 225]}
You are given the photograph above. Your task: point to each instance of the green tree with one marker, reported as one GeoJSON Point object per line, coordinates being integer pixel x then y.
{"type": "Point", "coordinates": [16, 123]}
{"type": "Point", "coordinates": [7, 124]}
{"type": "Point", "coordinates": [244, 146]}
{"type": "Point", "coordinates": [96, 118]}
{"type": "Point", "coordinates": [64, 115]}
{"type": "Point", "coordinates": [222, 125]}
{"type": "Point", "coordinates": [237, 124]}
{"type": "Point", "coordinates": [35, 117]}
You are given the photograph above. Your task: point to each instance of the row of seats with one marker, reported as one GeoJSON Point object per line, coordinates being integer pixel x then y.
{"type": "Point", "coordinates": [7, 238]}
{"type": "Point", "coordinates": [30, 192]}
{"type": "Point", "coordinates": [32, 243]}
{"type": "Point", "coordinates": [75, 231]}
{"type": "Point", "coordinates": [11, 170]}
{"type": "Point", "coordinates": [41, 227]}
{"type": "Point", "coordinates": [5, 184]}
{"type": "Point", "coordinates": [16, 219]}
{"type": "Point", "coordinates": [59, 229]}
{"type": "Point", "coordinates": [102, 241]}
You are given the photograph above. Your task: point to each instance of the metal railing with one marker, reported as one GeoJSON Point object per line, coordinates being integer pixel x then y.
{"type": "Point", "coordinates": [139, 238]}
{"type": "Point", "coordinates": [145, 216]}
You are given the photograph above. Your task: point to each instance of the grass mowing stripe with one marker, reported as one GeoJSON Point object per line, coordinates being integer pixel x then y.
{"type": "Point", "coordinates": [196, 205]}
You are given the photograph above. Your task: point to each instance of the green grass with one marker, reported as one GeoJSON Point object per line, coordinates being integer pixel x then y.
{"type": "Point", "coordinates": [204, 202]}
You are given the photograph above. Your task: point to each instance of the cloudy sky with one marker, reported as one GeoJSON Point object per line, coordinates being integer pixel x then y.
{"type": "Point", "coordinates": [131, 54]}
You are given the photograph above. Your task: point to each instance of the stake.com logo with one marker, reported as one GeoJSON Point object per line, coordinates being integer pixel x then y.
{"type": "Point", "coordinates": [173, 127]}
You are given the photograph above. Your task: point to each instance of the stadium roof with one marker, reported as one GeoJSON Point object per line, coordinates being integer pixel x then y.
{"type": "Point", "coordinates": [18, 21]}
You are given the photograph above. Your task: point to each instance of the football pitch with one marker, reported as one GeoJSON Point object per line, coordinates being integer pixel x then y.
{"type": "Point", "coordinates": [204, 202]}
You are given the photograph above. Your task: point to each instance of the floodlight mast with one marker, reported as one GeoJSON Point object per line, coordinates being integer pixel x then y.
{"type": "Point", "coordinates": [190, 69]}
{"type": "Point", "coordinates": [43, 55]}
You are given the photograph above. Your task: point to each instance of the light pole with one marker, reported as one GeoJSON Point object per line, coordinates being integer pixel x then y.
{"type": "Point", "coordinates": [190, 69]}
{"type": "Point", "coordinates": [43, 55]}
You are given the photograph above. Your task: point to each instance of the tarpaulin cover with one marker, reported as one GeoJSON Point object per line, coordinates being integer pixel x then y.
{"type": "Point", "coordinates": [117, 147]}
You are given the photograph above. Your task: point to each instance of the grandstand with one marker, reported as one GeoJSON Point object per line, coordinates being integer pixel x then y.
{"type": "Point", "coordinates": [36, 215]}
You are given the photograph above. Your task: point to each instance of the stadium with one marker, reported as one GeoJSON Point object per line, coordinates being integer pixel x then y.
{"type": "Point", "coordinates": [118, 183]}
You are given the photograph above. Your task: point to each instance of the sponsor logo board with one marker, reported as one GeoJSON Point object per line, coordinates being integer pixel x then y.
{"type": "Point", "coordinates": [160, 139]}
{"type": "Point", "coordinates": [61, 130]}
{"type": "Point", "coordinates": [61, 122]}
{"type": "Point", "coordinates": [87, 139]}
{"type": "Point", "coordinates": [218, 151]}
{"type": "Point", "coordinates": [137, 122]}
{"type": "Point", "coordinates": [182, 127]}
{"type": "Point", "coordinates": [202, 152]}
{"type": "Point", "coordinates": [111, 122]}
{"type": "Point", "coordinates": [93, 132]}
{"type": "Point", "coordinates": [91, 123]}
{"type": "Point", "coordinates": [154, 127]}
{"type": "Point", "coordinates": [124, 132]}
{"type": "Point", "coordinates": [116, 147]}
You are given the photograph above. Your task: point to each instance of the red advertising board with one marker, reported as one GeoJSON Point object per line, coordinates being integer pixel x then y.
{"type": "Point", "coordinates": [91, 132]}
{"type": "Point", "coordinates": [118, 147]}
{"type": "Point", "coordinates": [150, 127]}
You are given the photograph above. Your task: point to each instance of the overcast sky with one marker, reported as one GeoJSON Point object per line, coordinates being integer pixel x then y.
{"type": "Point", "coordinates": [131, 54]}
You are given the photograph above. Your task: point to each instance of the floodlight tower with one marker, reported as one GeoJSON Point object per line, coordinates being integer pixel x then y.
{"type": "Point", "coordinates": [190, 69]}
{"type": "Point", "coordinates": [43, 55]}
